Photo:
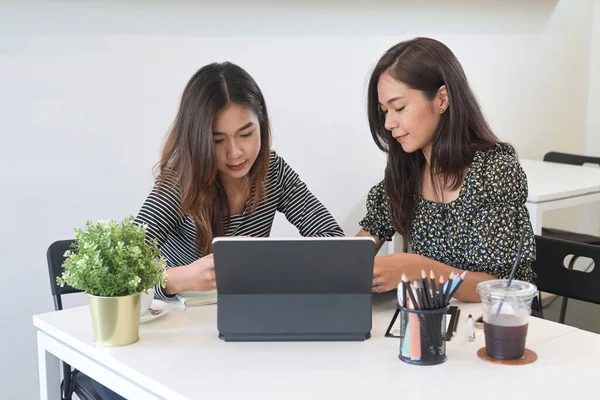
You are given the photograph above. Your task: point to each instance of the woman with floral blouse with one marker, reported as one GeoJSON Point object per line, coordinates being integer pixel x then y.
{"type": "Point", "coordinates": [450, 186]}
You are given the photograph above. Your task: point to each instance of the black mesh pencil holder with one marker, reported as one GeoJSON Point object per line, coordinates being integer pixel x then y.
{"type": "Point", "coordinates": [422, 336]}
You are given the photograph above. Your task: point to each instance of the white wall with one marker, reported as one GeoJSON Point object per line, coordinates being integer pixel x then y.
{"type": "Point", "coordinates": [88, 91]}
{"type": "Point", "coordinates": [593, 107]}
{"type": "Point", "coordinates": [586, 218]}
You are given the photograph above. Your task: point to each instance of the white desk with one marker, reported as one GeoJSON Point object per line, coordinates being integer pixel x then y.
{"type": "Point", "coordinates": [554, 186]}
{"type": "Point", "coordinates": [180, 357]}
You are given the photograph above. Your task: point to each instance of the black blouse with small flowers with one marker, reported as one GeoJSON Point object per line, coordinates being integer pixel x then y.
{"type": "Point", "coordinates": [480, 230]}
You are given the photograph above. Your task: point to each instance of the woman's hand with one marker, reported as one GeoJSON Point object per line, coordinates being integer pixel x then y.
{"type": "Point", "coordinates": [387, 273]}
{"type": "Point", "coordinates": [203, 274]}
{"type": "Point", "coordinates": [388, 270]}
{"type": "Point", "coordinates": [197, 276]}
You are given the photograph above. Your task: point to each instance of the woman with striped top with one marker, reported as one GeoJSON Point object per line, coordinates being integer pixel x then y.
{"type": "Point", "coordinates": [217, 176]}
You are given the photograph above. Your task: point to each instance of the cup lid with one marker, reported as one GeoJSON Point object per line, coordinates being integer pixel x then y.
{"type": "Point", "coordinates": [497, 287]}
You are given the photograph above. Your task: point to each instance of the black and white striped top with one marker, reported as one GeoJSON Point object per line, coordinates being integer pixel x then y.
{"type": "Point", "coordinates": [284, 192]}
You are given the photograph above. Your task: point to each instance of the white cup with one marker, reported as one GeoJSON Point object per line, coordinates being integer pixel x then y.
{"type": "Point", "coordinates": [146, 301]}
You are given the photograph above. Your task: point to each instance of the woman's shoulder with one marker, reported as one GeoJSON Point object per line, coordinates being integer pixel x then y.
{"type": "Point", "coordinates": [378, 192]}
{"type": "Point", "coordinates": [502, 153]}
{"type": "Point", "coordinates": [277, 165]}
{"type": "Point", "coordinates": [501, 157]}
{"type": "Point", "coordinates": [377, 198]}
{"type": "Point", "coordinates": [280, 173]}
{"type": "Point", "coordinates": [501, 174]}
{"type": "Point", "coordinates": [274, 159]}
{"type": "Point", "coordinates": [502, 162]}
{"type": "Point", "coordinates": [166, 184]}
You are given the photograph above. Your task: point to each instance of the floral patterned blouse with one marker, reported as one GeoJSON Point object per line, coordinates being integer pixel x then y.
{"type": "Point", "coordinates": [480, 230]}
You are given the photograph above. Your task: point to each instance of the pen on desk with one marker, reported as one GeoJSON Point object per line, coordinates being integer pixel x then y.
{"type": "Point", "coordinates": [470, 328]}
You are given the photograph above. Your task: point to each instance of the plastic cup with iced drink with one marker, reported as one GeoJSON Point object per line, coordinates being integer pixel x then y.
{"type": "Point", "coordinates": [506, 316]}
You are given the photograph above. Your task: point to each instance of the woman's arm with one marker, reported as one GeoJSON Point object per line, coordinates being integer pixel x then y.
{"type": "Point", "coordinates": [197, 276]}
{"type": "Point", "coordinates": [162, 214]}
{"type": "Point", "coordinates": [389, 269]}
{"type": "Point", "coordinates": [161, 211]}
{"type": "Point", "coordinates": [377, 222]}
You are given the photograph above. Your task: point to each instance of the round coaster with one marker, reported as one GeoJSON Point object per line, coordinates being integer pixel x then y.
{"type": "Point", "coordinates": [529, 357]}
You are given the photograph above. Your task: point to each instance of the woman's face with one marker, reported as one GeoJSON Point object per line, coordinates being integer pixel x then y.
{"type": "Point", "coordinates": [410, 117]}
{"type": "Point", "coordinates": [236, 136]}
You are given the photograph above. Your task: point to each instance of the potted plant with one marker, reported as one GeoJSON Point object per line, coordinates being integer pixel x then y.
{"type": "Point", "coordinates": [113, 263]}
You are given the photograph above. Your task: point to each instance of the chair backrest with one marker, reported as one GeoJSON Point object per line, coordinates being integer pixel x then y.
{"type": "Point", "coordinates": [553, 277]}
{"type": "Point", "coordinates": [69, 385]}
{"type": "Point", "coordinates": [56, 257]}
{"type": "Point", "coordinates": [573, 159]}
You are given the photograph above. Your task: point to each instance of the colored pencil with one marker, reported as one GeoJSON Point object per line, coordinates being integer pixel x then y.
{"type": "Point", "coordinates": [434, 293]}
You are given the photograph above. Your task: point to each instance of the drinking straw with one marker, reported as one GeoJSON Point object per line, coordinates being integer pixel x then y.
{"type": "Point", "coordinates": [514, 268]}
{"type": "Point", "coordinates": [519, 255]}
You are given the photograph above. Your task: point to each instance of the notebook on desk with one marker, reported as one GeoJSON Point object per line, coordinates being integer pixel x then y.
{"type": "Point", "coordinates": [192, 298]}
{"type": "Point", "coordinates": [294, 289]}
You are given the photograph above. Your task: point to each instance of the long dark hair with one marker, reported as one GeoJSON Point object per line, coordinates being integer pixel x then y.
{"type": "Point", "coordinates": [188, 157]}
{"type": "Point", "coordinates": [427, 64]}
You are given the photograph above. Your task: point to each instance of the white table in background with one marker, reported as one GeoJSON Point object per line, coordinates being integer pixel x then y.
{"type": "Point", "coordinates": [179, 357]}
{"type": "Point", "coordinates": [554, 186]}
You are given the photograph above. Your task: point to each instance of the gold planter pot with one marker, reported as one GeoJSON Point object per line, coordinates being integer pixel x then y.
{"type": "Point", "coordinates": [116, 320]}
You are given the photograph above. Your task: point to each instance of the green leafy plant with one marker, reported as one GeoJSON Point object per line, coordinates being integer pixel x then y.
{"type": "Point", "coordinates": [112, 258]}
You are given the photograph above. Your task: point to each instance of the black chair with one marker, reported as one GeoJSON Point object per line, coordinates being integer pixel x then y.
{"type": "Point", "coordinates": [74, 381]}
{"type": "Point", "coordinates": [553, 277]}
{"type": "Point", "coordinates": [571, 159]}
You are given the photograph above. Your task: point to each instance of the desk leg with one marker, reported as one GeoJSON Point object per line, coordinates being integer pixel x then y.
{"type": "Point", "coordinates": [392, 245]}
{"type": "Point", "coordinates": [535, 215]}
{"type": "Point", "coordinates": [397, 244]}
{"type": "Point", "coordinates": [49, 372]}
